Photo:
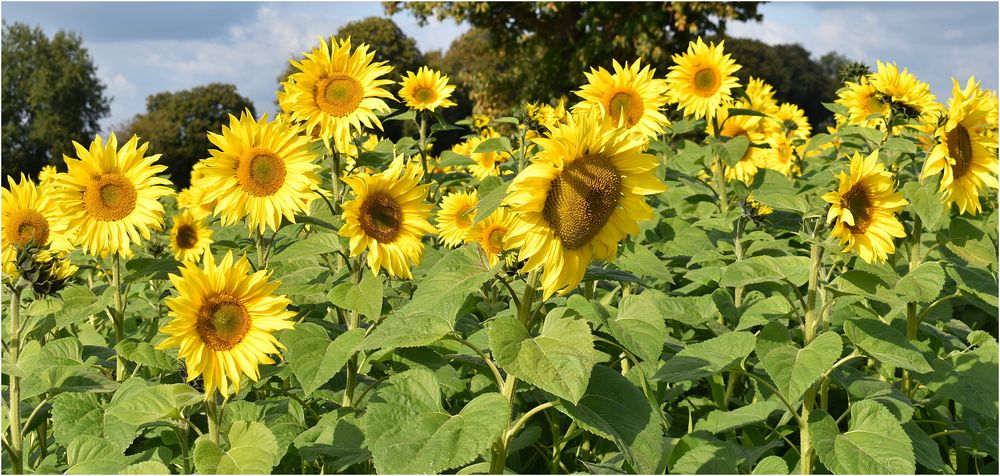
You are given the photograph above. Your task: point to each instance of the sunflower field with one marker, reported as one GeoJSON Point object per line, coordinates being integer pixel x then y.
{"type": "Point", "coordinates": [670, 272]}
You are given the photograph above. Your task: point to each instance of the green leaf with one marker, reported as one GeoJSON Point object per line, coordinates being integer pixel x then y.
{"type": "Point", "coordinates": [338, 437]}
{"type": "Point", "coordinates": [642, 262]}
{"type": "Point", "coordinates": [364, 298]}
{"type": "Point", "coordinates": [150, 268]}
{"type": "Point", "coordinates": [314, 357]}
{"type": "Point", "coordinates": [875, 443]}
{"type": "Point", "coordinates": [824, 432]}
{"type": "Point", "coordinates": [885, 344]}
{"type": "Point", "coordinates": [719, 421]}
{"type": "Point", "coordinates": [319, 243]}
{"type": "Point", "coordinates": [639, 327]}
{"type": "Point", "coordinates": [975, 282]}
{"type": "Point", "coordinates": [762, 269]}
{"type": "Point", "coordinates": [559, 360]}
{"type": "Point", "coordinates": [926, 203]}
{"type": "Point", "coordinates": [771, 465]}
{"type": "Point", "coordinates": [66, 378]}
{"type": "Point", "coordinates": [144, 353]}
{"type": "Point", "coordinates": [146, 467]}
{"type": "Point", "coordinates": [495, 144]}
{"type": "Point", "coordinates": [251, 451]}
{"type": "Point", "coordinates": [408, 115]}
{"type": "Point", "coordinates": [707, 358]}
{"type": "Point", "coordinates": [732, 150]}
{"type": "Point", "coordinates": [88, 454]}
{"type": "Point", "coordinates": [492, 192]}
{"type": "Point", "coordinates": [615, 409]}
{"type": "Point", "coordinates": [772, 336]}
{"type": "Point", "coordinates": [763, 311]}
{"type": "Point", "coordinates": [436, 303]}
{"type": "Point", "coordinates": [76, 414]}
{"type": "Point", "coordinates": [451, 159]}
{"type": "Point", "coordinates": [863, 283]}
{"type": "Point", "coordinates": [79, 303]}
{"type": "Point", "coordinates": [408, 430]}
{"type": "Point", "coordinates": [795, 370]}
{"type": "Point", "coordinates": [710, 457]}
{"type": "Point", "coordinates": [153, 402]}
{"type": "Point", "coordinates": [924, 448]}
{"type": "Point", "coordinates": [689, 310]}
{"type": "Point", "coordinates": [735, 111]}
{"type": "Point", "coordinates": [968, 240]}
{"type": "Point", "coordinates": [923, 284]}
{"type": "Point", "coordinates": [969, 378]}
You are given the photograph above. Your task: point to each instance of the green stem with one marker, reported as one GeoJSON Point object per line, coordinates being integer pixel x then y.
{"type": "Point", "coordinates": [182, 437]}
{"type": "Point", "coordinates": [118, 316]}
{"type": "Point", "coordinates": [808, 334]}
{"type": "Point", "coordinates": [258, 240]}
{"type": "Point", "coordinates": [738, 249]}
{"type": "Point", "coordinates": [524, 312]}
{"type": "Point", "coordinates": [912, 320]}
{"type": "Point", "coordinates": [499, 459]}
{"type": "Point", "coordinates": [352, 365]}
{"type": "Point", "coordinates": [335, 177]}
{"type": "Point", "coordinates": [423, 146]}
{"type": "Point", "coordinates": [14, 386]}
{"type": "Point", "coordinates": [214, 419]}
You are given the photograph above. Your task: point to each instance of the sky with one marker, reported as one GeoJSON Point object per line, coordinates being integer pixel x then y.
{"type": "Point", "coordinates": [143, 48]}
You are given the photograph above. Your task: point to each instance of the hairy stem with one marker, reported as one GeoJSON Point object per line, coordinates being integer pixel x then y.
{"type": "Point", "coordinates": [118, 316]}
{"type": "Point", "coordinates": [14, 386]}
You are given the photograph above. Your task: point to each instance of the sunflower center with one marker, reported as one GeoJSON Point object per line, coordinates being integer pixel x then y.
{"type": "Point", "coordinates": [860, 204]}
{"type": "Point", "coordinates": [109, 197]}
{"type": "Point", "coordinates": [582, 199]}
{"type": "Point", "coordinates": [706, 81]}
{"type": "Point", "coordinates": [493, 241]}
{"type": "Point", "coordinates": [626, 102]}
{"type": "Point", "coordinates": [875, 105]}
{"type": "Point", "coordinates": [26, 226]}
{"type": "Point", "coordinates": [959, 149]}
{"type": "Point", "coordinates": [187, 237]}
{"type": "Point", "coordinates": [424, 95]}
{"type": "Point", "coordinates": [463, 219]}
{"type": "Point", "coordinates": [339, 95]}
{"type": "Point", "coordinates": [381, 218]}
{"type": "Point", "coordinates": [261, 174]}
{"type": "Point", "coordinates": [223, 321]}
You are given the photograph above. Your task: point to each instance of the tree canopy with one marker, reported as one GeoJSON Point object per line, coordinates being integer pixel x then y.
{"type": "Point", "coordinates": [51, 97]}
{"type": "Point", "coordinates": [176, 124]}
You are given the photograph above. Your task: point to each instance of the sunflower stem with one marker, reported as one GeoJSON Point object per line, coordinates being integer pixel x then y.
{"type": "Point", "coordinates": [738, 249]}
{"type": "Point", "coordinates": [423, 146]}
{"type": "Point", "coordinates": [912, 319]}
{"type": "Point", "coordinates": [258, 240]}
{"type": "Point", "coordinates": [808, 334]}
{"type": "Point", "coordinates": [335, 177]}
{"type": "Point", "coordinates": [214, 419]}
{"type": "Point", "coordinates": [118, 316]}
{"type": "Point", "coordinates": [14, 385]}
{"type": "Point", "coordinates": [353, 322]}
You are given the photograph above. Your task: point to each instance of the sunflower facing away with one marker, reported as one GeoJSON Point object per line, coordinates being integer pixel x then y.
{"type": "Point", "coordinates": [630, 97]}
{"type": "Point", "coordinates": [491, 234]}
{"type": "Point", "coordinates": [583, 192]}
{"type": "Point", "coordinates": [426, 90]}
{"type": "Point", "coordinates": [702, 79]}
{"type": "Point", "coordinates": [454, 219]}
{"type": "Point", "coordinates": [388, 217]}
{"type": "Point", "coordinates": [966, 154]}
{"type": "Point", "coordinates": [261, 170]}
{"type": "Point", "coordinates": [223, 321]}
{"type": "Point", "coordinates": [110, 196]}
{"type": "Point", "coordinates": [905, 90]}
{"type": "Point", "coordinates": [29, 216]}
{"type": "Point", "coordinates": [190, 236]}
{"type": "Point", "coordinates": [336, 90]}
{"type": "Point", "coordinates": [863, 208]}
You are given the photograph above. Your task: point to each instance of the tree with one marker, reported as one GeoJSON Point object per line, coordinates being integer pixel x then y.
{"type": "Point", "coordinates": [176, 124]}
{"type": "Point", "coordinates": [549, 45]}
{"type": "Point", "coordinates": [51, 97]}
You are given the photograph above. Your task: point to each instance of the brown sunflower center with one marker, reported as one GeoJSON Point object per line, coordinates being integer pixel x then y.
{"type": "Point", "coordinates": [261, 174]}
{"type": "Point", "coordinates": [628, 103]}
{"type": "Point", "coordinates": [339, 95]}
{"type": "Point", "coordinates": [493, 241]}
{"type": "Point", "coordinates": [582, 199]}
{"type": "Point", "coordinates": [187, 237]}
{"type": "Point", "coordinates": [706, 81]}
{"type": "Point", "coordinates": [24, 226]}
{"type": "Point", "coordinates": [463, 219]}
{"type": "Point", "coordinates": [109, 197]}
{"type": "Point", "coordinates": [860, 204]}
{"type": "Point", "coordinates": [424, 95]}
{"type": "Point", "coordinates": [223, 322]}
{"type": "Point", "coordinates": [959, 149]}
{"type": "Point", "coordinates": [381, 217]}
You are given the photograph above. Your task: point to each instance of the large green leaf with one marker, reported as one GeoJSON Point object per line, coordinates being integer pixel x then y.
{"type": "Point", "coordinates": [639, 327]}
{"type": "Point", "coordinates": [146, 467]}
{"type": "Point", "coordinates": [708, 456]}
{"type": "Point", "coordinates": [926, 203]}
{"type": "Point", "coordinates": [432, 312]}
{"type": "Point", "coordinates": [149, 403]}
{"type": "Point", "coordinates": [559, 360]}
{"type": "Point", "coordinates": [338, 437]}
{"type": "Point", "coordinates": [719, 421]}
{"type": "Point", "coordinates": [251, 449]}
{"type": "Point", "coordinates": [771, 465]}
{"type": "Point", "coordinates": [885, 344]}
{"type": "Point", "coordinates": [923, 284]}
{"type": "Point", "coordinates": [364, 298]}
{"type": "Point", "coordinates": [763, 311]}
{"type": "Point", "coordinates": [408, 430]}
{"type": "Point", "coordinates": [79, 303]}
{"type": "Point", "coordinates": [762, 269]}
{"type": "Point", "coordinates": [76, 414]}
{"type": "Point", "coordinates": [869, 285]}
{"type": "Point", "coordinates": [492, 192]}
{"type": "Point", "coordinates": [924, 448]}
{"type": "Point", "coordinates": [795, 370]}
{"type": "Point", "coordinates": [144, 353]}
{"type": "Point", "coordinates": [707, 358]}
{"type": "Point", "coordinates": [875, 443]}
{"type": "Point", "coordinates": [88, 454]}
{"type": "Point", "coordinates": [314, 357]}
{"type": "Point", "coordinates": [283, 416]}
{"type": "Point", "coordinates": [310, 249]}
{"type": "Point", "coordinates": [969, 378]}
{"type": "Point", "coordinates": [615, 409]}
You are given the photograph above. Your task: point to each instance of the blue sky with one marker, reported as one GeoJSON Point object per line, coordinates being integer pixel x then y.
{"type": "Point", "coordinates": [147, 47]}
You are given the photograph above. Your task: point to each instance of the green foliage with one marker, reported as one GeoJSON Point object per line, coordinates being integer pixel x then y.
{"type": "Point", "coordinates": [250, 450]}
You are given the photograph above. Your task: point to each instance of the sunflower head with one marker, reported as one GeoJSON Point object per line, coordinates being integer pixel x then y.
{"type": "Point", "coordinates": [865, 105]}
{"type": "Point", "coordinates": [863, 208]}
{"type": "Point", "coordinates": [903, 92]}
{"type": "Point", "coordinates": [190, 236]}
{"type": "Point", "coordinates": [30, 219]}
{"type": "Point", "coordinates": [454, 219]}
{"type": "Point", "coordinates": [491, 234]}
{"type": "Point", "coordinates": [630, 97]}
{"type": "Point", "coordinates": [426, 90]}
{"type": "Point", "coordinates": [223, 320]}
{"type": "Point", "coordinates": [701, 79]}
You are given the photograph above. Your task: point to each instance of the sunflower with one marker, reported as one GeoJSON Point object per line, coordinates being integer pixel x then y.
{"type": "Point", "coordinates": [904, 90]}
{"type": "Point", "coordinates": [863, 209]}
{"type": "Point", "coordinates": [110, 196]}
{"type": "Point", "coordinates": [702, 79]}
{"type": "Point", "coordinates": [29, 217]}
{"type": "Point", "coordinates": [480, 121]}
{"type": "Point", "coordinates": [760, 98]}
{"type": "Point", "coordinates": [190, 236]}
{"type": "Point", "coordinates": [965, 154]}
{"type": "Point", "coordinates": [388, 217]}
{"type": "Point", "coordinates": [782, 154]}
{"type": "Point", "coordinates": [426, 90]}
{"type": "Point", "coordinates": [486, 163]}
{"type": "Point", "coordinates": [544, 115]}
{"type": "Point", "coordinates": [583, 192]}
{"type": "Point", "coordinates": [454, 220]}
{"type": "Point", "coordinates": [630, 97]}
{"type": "Point", "coordinates": [793, 121]}
{"type": "Point", "coordinates": [492, 234]}
{"type": "Point", "coordinates": [336, 90]}
{"type": "Point", "coordinates": [754, 158]}
{"type": "Point", "coordinates": [47, 175]}
{"type": "Point", "coordinates": [223, 321]}
{"type": "Point", "coordinates": [261, 170]}
{"type": "Point", "coordinates": [862, 101]}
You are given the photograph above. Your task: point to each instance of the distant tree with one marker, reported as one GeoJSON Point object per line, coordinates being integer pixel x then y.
{"type": "Point", "coordinates": [51, 97]}
{"type": "Point", "coordinates": [176, 124]}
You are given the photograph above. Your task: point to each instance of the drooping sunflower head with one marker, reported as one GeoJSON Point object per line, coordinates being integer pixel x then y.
{"type": "Point", "coordinates": [190, 236]}
{"type": "Point", "coordinates": [630, 96]}
{"type": "Point", "coordinates": [492, 234]}
{"type": "Point", "coordinates": [903, 91]}
{"type": "Point", "coordinates": [865, 105]}
{"type": "Point", "coordinates": [388, 217]}
{"type": "Point", "coordinates": [863, 209]}
{"type": "Point", "coordinates": [428, 90]}
{"type": "Point", "coordinates": [454, 219]}
{"type": "Point", "coordinates": [110, 196]}
{"type": "Point", "coordinates": [583, 192]}
{"type": "Point", "coordinates": [30, 218]}
{"type": "Point", "coordinates": [702, 79]}
{"type": "Point", "coordinates": [965, 154]}
{"type": "Point", "coordinates": [261, 170]}
{"type": "Point", "coordinates": [546, 116]}
{"type": "Point", "coordinates": [223, 320]}
{"type": "Point", "coordinates": [336, 90]}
